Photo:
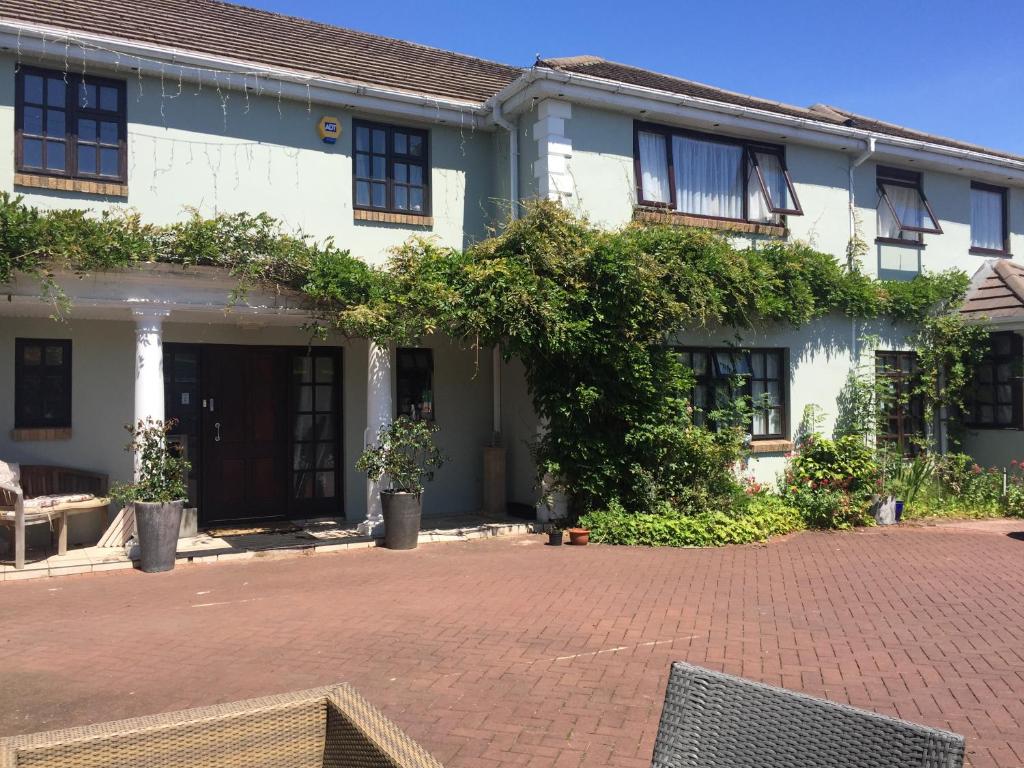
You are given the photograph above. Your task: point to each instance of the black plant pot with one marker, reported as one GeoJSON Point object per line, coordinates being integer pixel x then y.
{"type": "Point", "coordinates": [157, 524]}
{"type": "Point", "coordinates": [555, 538]}
{"type": "Point", "coordinates": [402, 512]}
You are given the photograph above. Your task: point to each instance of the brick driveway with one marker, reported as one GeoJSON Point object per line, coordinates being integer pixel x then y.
{"type": "Point", "coordinates": [507, 652]}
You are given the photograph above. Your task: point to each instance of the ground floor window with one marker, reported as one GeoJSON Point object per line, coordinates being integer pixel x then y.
{"type": "Point", "coordinates": [42, 383]}
{"type": "Point", "coordinates": [762, 377]}
{"type": "Point", "coordinates": [998, 388]}
{"type": "Point", "coordinates": [902, 409]}
{"type": "Point", "coordinates": [314, 419]}
{"type": "Point", "coordinates": [414, 383]}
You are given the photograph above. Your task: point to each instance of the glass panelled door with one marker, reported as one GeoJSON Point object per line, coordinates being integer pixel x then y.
{"type": "Point", "coordinates": [316, 432]}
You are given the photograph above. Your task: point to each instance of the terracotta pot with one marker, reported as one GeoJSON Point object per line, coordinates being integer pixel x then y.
{"type": "Point", "coordinates": [579, 536]}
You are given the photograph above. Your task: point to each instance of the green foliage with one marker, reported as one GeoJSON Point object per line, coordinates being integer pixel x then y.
{"type": "Point", "coordinates": [405, 455]}
{"type": "Point", "coordinates": [754, 519]}
{"type": "Point", "coordinates": [830, 481]}
{"type": "Point", "coordinates": [162, 473]}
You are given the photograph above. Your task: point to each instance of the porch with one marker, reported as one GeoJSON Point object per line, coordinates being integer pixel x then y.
{"type": "Point", "coordinates": [285, 539]}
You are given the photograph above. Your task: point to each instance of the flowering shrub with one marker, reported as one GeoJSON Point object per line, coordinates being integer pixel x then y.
{"type": "Point", "coordinates": [830, 481]}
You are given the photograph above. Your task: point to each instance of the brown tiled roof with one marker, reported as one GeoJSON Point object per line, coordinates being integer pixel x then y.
{"type": "Point", "coordinates": [997, 292]}
{"type": "Point", "coordinates": [262, 37]}
{"type": "Point", "coordinates": [821, 113]}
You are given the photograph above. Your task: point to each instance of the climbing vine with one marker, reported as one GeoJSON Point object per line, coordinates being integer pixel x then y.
{"type": "Point", "coordinates": [589, 312]}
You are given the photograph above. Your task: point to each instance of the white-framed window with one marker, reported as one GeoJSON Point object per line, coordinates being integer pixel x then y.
{"type": "Point", "coordinates": [712, 176]}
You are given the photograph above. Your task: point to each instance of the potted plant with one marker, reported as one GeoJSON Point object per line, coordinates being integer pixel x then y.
{"type": "Point", "coordinates": [555, 535]}
{"type": "Point", "coordinates": [403, 459]}
{"type": "Point", "coordinates": [157, 495]}
{"type": "Point", "coordinates": [579, 536]}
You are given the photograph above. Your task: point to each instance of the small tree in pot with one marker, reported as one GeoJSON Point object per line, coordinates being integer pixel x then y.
{"type": "Point", "coordinates": [157, 495]}
{"type": "Point", "coordinates": [404, 458]}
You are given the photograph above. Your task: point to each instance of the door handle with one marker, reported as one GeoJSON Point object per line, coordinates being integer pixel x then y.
{"type": "Point", "coordinates": [211, 405]}
{"type": "Point", "coordinates": [216, 437]}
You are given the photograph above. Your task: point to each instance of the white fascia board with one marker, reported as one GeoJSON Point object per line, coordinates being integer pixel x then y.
{"type": "Point", "coordinates": [60, 45]}
{"type": "Point", "coordinates": [655, 105]}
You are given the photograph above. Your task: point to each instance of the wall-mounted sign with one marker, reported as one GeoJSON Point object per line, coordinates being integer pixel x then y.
{"type": "Point", "coordinates": [329, 129]}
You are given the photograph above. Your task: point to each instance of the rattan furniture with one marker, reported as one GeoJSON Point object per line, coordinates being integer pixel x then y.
{"type": "Point", "coordinates": [35, 494]}
{"type": "Point", "coordinates": [331, 727]}
{"type": "Point", "coordinates": [713, 720]}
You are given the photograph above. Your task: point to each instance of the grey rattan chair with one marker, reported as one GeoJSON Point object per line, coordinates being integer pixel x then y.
{"type": "Point", "coordinates": [713, 720]}
{"type": "Point", "coordinates": [330, 727]}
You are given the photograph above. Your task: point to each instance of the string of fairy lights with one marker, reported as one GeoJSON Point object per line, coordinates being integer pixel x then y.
{"type": "Point", "coordinates": [179, 80]}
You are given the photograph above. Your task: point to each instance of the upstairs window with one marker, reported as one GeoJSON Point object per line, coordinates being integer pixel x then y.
{"type": "Point", "coordinates": [392, 171]}
{"type": "Point", "coordinates": [903, 211]}
{"type": "Point", "coordinates": [69, 125]}
{"type": "Point", "coordinates": [712, 176]}
{"type": "Point", "coordinates": [763, 376]}
{"type": "Point", "coordinates": [42, 383]}
{"type": "Point", "coordinates": [989, 231]}
{"type": "Point", "coordinates": [998, 388]}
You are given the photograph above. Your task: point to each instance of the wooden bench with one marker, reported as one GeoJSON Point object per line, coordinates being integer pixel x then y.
{"type": "Point", "coordinates": [34, 481]}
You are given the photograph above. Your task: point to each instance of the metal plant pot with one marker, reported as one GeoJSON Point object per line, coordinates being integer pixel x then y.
{"type": "Point", "coordinates": [402, 512]}
{"type": "Point", "coordinates": [157, 524]}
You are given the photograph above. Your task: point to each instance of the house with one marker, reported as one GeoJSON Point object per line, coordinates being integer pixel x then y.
{"type": "Point", "coordinates": [163, 106]}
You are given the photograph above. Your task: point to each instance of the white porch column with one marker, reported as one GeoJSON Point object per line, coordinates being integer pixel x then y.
{"type": "Point", "coordinates": [149, 363]}
{"type": "Point", "coordinates": [379, 409]}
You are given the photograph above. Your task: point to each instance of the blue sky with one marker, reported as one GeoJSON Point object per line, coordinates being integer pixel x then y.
{"type": "Point", "coordinates": [952, 68]}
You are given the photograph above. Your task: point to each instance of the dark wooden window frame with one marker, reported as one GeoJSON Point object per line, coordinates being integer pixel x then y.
{"type": "Point", "coordinates": [911, 180]}
{"type": "Point", "coordinates": [402, 352]}
{"type": "Point", "coordinates": [390, 158]}
{"type": "Point", "coordinates": [72, 111]}
{"type": "Point", "coordinates": [1004, 194]}
{"type": "Point", "coordinates": [1015, 358]}
{"type": "Point", "coordinates": [749, 162]}
{"type": "Point", "coordinates": [713, 376]}
{"type": "Point", "coordinates": [20, 422]}
{"type": "Point", "coordinates": [907, 409]}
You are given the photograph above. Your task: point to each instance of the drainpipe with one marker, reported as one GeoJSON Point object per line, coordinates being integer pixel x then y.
{"type": "Point", "coordinates": [855, 163]}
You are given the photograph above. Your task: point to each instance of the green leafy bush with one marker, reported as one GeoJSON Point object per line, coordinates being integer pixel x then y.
{"type": "Point", "coordinates": [405, 454]}
{"type": "Point", "coordinates": [754, 519]}
{"type": "Point", "coordinates": [162, 473]}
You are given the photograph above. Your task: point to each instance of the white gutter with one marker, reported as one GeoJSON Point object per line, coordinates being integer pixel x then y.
{"type": "Point", "coordinates": [539, 83]}
{"type": "Point", "coordinates": [75, 48]}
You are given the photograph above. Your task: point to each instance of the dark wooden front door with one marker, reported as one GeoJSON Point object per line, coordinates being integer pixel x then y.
{"type": "Point", "coordinates": [245, 469]}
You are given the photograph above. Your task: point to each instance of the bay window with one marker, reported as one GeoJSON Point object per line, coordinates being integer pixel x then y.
{"type": "Point", "coordinates": [903, 211]}
{"type": "Point", "coordinates": [712, 176]}
{"type": "Point", "coordinates": [996, 398]}
{"type": "Point", "coordinates": [989, 232]}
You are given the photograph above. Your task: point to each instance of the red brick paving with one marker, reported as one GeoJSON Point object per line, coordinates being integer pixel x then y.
{"type": "Point", "coordinates": [510, 653]}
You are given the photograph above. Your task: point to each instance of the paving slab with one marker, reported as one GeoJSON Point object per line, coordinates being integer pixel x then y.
{"type": "Point", "coordinates": [507, 652]}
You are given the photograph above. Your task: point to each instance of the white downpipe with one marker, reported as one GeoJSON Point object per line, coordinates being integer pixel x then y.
{"type": "Point", "coordinates": [855, 163]}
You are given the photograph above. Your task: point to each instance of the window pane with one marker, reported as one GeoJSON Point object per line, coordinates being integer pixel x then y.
{"type": "Point", "coordinates": [325, 485]}
{"type": "Point", "coordinates": [401, 172]}
{"type": "Point", "coordinates": [653, 167]}
{"type": "Point", "coordinates": [909, 207]}
{"type": "Point", "coordinates": [56, 91]}
{"type": "Point", "coordinates": [416, 145]}
{"type": "Point", "coordinates": [775, 421]}
{"type": "Point", "coordinates": [87, 96]}
{"type": "Point", "coordinates": [33, 89]}
{"type": "Point", "coordinates": [55, 155]}
{"type": "Point", "coordinates": [401, 198]}
{"type": "Point", "coordinates": [416, 175]}
{"type": "Point", "coordinates": [775, 179]}
{"type": "Point", "coordinates": [55, 122]}
{"type": "Point", "coordinates": [987, 219]}
{"type": "Point", "coordinates": [363, 139]}
{"type": "Point", "coordinates": [1001, 344]}
{"type": "Point", "coordinates": [87, 158]}
{"type": "Point", "coordinates": [325, 456]}
{"type": "Point", "coordinates": [32, 152]}
{"type": "Point", "coordinates": [362, 165]}
{"type": "Point", "coordinates": [709, 177]}
{"type": "Point", "coordinates": [378, 141]}
{"type": "Point", "coordinates": [416, 199]}
{"type": "Point", "coordinates": [379, 194]}
{"type": "Point", "coordinates": [32, 354]}
{"type": "Point", "coordinates": [324, 370]}
{"type": "Point", "coordinates": [303, 427]}
{"type": "Point", "coordinates": [362, 193]}
{"type": "Point", "coordinates": [303, 485]}
{"type": "Point", "coordinates": [303, 455]}
{"type": "Point", "coordinates": [700, 363]}
{"type": "Point", "coordinates": [110, 161]}
{"type": "Point", "coordinates": [86, 130]}
{"type": "Point", "coordinates": [302, 369]}
{"type": "Point", "coordinates": [324, 427]}
{"type": "Point", "coordinates": [305, 399]}
{"type": "Point", "coordinates": [401, 145]}
{"type": "Point", "coordinates": [774, 366]}
{"type": "Point", "coordinates": [33, 122]}
{"type": "Point", "coordinates": [108, 132]}
{"type": "Point", "coordinates": [325, 398]}
{"type": "Point", "coordinates": [378, 168]}
{"type": "Point", "coordinates": [108, 98]}
{"type": "Point", "coordinates": [757, 362]}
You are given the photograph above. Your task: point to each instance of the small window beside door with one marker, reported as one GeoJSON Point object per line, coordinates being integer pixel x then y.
{"type": "Point", "coordinates": [42, 383]}
{"type": "Point", "coordinates": [315, 418]}
{"type": "Point", "coordinates": [989, 230]}
{"type": "Point", "coordinates": [414, 383]}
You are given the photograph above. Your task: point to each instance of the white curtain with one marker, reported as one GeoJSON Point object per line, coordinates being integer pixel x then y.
{"type": "Point", "coordinates": [653, 167]}
{"type": "Point", "coordinates": [987, 219]}
{"type": "Point", "coordinates": [709, 177]}
{"type": "Point", "coordinates": [775, 179]}
{"type": "Point", "coordinates": [909, 206]}
{"type": "Point", "coordinates": [887, 225]}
